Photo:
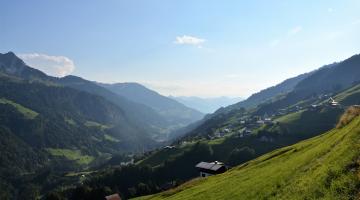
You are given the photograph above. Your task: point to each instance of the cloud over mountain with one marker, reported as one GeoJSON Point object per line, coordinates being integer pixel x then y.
{"type": "Point", "coordinates": [52, 65]}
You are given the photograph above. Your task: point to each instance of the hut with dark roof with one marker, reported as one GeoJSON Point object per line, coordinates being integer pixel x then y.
{"type": "Point", "coordinates": [113, 197]}
{"type": "Point", "coordinates": [208, 169]}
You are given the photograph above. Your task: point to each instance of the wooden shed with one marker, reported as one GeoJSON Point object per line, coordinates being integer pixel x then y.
{"type": "Point", "coordinates": [208, 169]}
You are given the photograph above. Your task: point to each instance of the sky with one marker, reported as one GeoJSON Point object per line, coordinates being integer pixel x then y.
{"type": "Point", "coordinates": [203, 48]}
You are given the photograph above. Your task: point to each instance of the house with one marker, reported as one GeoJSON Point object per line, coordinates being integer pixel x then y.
{"type": "Point", "coordinates": [208, 169]}
{"type": "Point", "coordinates": [314, 107]}
{"type": "Point", "coordinates": [333, 103]}
{"type": "Point", "coordinates": [219, 134]}
{"type": "Point", "coordinates": [244, 132]}
{"type": "Point", "coordinates": [227, 130]}
{"type": "Point", "coordinates": [169, 147]}
{"type": "Point", "coordinates": [113, 197]}
{"type": "Point", "coordinates": [268, 120]}
{"type": "Point", "coordinates": [127, 163]}
{"type": "Point", "coordinates": [260, 121]}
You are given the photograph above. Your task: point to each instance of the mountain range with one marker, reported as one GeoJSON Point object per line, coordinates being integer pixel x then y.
{"type": "Point", "coordinates": [206, 105]}
{"type": "Point", "coordinates": [57, 130]}
{"type": "Point", "coordinates": [47, 120]}
{"type": "Point", "coordinates": [172, 110]}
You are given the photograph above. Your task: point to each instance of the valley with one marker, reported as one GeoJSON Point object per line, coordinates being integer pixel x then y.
{"type": "Point", "coordinates": [179, 100]}
{"type": "Point", "coordinates": [238, 137]}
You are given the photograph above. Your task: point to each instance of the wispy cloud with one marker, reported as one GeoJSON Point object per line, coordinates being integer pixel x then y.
{"type": "Point", "coordinates": [295, 30]}
{"type": "Point", "coordinates": [330, 10]}
{"type": "Point", "coordinates": [189, 40]}
{"type": "Point", "coordinates": [52, 65]}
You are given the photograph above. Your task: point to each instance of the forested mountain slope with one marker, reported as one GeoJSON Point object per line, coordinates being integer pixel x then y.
{"type": "Point", "coordinates": [140, 114]}
{"type": "Point", "coordinates": [44, 123]}
{"type": "Point", "coordinates": [271, 92]}
{"type": "Point", "coordinates": [327, 80]}
{"type": "Point", "coordinates": [157, 124]}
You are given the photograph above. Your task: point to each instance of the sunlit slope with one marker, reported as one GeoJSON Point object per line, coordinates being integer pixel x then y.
{"type": "Point", "coordinates": [324, 167]}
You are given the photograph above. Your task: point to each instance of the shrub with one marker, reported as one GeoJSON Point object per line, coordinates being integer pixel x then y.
{"type": "Point", "coordinates": [348, 116]}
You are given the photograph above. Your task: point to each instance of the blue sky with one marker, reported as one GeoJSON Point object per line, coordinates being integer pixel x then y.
{"type": "Point", "coordinates": [193, 48]}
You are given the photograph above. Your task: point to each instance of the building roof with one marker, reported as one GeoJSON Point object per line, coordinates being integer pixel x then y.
{"type": "Point", "coordinates": [113, 197]}
{"type": "Point", "coordinates": [214, 166]}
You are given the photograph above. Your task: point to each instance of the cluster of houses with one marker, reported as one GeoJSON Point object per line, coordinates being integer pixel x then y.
{"type": "Point", "coordinates": [221, 133]}
{"type": "Point", "coordinates": [247, 125]}
{"type": "Point", "coordinates": [315, 106]}
{"type": "Point", "coordinates": [330, 103]}
{"type": "Point", "coordinates": [130, 162]}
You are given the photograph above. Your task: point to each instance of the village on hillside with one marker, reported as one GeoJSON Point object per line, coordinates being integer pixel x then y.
{"type": "Point", "coordinates": [247, 124]}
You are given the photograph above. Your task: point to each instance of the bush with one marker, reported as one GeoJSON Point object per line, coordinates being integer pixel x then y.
{"type": "Point", "coordinates": [348, 116]}
{"type": "Point", "coordinates": [241, 155]}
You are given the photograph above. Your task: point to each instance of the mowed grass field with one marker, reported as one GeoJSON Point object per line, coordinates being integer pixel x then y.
{"type": "Point", "coordinates": [28, 113]}
{"type": "Point", "coordinates": [324, 167]}
{"type": "Point", "coordinates": [74, 155]}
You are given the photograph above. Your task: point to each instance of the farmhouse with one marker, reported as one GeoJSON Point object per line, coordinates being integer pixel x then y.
{"type": "Point", "coordinates": [333, 103]}
{"type": "Point", "coordinates": [208, 169]}
{"type": "Point", "coordinates": [169, 147]}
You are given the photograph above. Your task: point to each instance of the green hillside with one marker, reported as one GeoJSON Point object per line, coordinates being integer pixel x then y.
{"type": "Point", "coordinates": [271, 92]}
{"type": "Point", "coordinates": [324, 167]}
{"type": "Point", "coordinates": [28, 113]}
{"type": "Point", "coordinates": [137, 113]}
{"type": "Point", "coordinates": [350, 96]}
{"type": "Point", "coordinates": [60, 128]}
{"type": "Point", "coordinates": [286, 129]}
{"type": "Point", "coordinates": [327, 80]}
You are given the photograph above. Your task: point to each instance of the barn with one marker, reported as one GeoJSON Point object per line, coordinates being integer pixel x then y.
{"type": "Point", "coordinates": [212, 168]}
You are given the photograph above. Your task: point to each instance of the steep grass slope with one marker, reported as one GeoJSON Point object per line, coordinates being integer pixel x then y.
{"type": "Point", "coordinates": [324, 167]}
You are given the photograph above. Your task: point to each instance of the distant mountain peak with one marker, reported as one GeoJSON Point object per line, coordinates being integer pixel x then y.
{"type": "Point", "coordinates": [11, 64]}
{"type": "Point", "coordinates": [73, 78]}
{"type": "Point", "coordinates": [10, 53]}
{"type": "Point", "coordinates": [10, 57]}
{"type": "Point", "coordinates": [130, 84]}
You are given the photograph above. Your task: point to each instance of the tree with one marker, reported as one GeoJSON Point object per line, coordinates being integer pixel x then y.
{"type": "Point", "coordinates": [241, 155]}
